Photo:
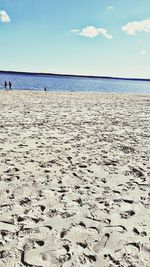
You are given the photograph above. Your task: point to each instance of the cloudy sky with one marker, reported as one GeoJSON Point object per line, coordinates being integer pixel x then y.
{"type": "Point", "coordinates": [96, 37]}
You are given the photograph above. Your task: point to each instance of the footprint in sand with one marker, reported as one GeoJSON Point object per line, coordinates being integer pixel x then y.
{"type": "Point", "coordinates": [133, 248]}
{"type": "Point", "coordinates": [127, 214]}
{"type": "Point", "coordinates": [45, 253]}
{"type": "Point", "coordinates": [99, 245]}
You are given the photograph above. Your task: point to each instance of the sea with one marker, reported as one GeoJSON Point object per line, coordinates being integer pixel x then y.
{"type": "Point", "coordinates": [74, 84]}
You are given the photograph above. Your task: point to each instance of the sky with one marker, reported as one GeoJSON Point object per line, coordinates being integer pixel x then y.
{"type": "Point", "coordinates": [88, 37]}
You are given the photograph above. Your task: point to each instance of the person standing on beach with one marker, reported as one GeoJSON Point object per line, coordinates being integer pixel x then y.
{"type": "Point", "coordinates": [10, 86]}
{"type": "Point", "coordinates": [5, 85]}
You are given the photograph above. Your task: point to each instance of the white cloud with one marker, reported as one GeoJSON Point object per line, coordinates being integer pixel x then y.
{"type": "Point", "coordinates": [4, 17]}
{"type": "Point", "coordinates": [91, 32]}
{"type": "Point", "coordinates": [143, 52]}
{"type": "Point", "coordinates": [137, 26]}
{"type": "Point", "coordinates": [109, 8]}
{"type": "Point", "coordinates": [75, 30]}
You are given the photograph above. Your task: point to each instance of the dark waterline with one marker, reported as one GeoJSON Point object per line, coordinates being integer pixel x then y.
{"type": "Point", "coordinates": [61, 83]}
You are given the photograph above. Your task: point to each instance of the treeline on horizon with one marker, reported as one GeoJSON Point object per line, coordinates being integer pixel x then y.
{"type": "Point", "coordinates": [72, 75]}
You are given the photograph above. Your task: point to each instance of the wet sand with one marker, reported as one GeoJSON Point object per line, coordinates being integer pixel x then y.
{"type": "Point", "coordinates": [74, 179]}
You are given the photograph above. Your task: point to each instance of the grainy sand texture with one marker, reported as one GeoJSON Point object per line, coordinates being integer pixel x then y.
{"type": "Point", "coordinates": [74, 179]}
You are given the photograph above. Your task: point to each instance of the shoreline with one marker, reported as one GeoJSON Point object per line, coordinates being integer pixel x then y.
{"type": "Point", "coordinates": [73, 92]}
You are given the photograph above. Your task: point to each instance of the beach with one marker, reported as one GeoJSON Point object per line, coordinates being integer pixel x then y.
{"type": "Point", "coordinates": [74, 179]}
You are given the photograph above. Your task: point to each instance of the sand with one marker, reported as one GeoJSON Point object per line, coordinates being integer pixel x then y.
{"type": "Point", "coordinates": [74, 179]}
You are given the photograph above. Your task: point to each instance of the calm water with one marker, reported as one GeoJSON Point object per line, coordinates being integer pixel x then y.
{"type": "Point", "coordinates": [71, 84]}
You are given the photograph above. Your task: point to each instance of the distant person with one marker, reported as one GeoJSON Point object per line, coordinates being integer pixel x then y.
{"type": "Point", "coordinates": [45, 89]}
{"type": "Point", "coordinates": [5, 85]}
{"type": "Point", "coordinates": [10, 86]}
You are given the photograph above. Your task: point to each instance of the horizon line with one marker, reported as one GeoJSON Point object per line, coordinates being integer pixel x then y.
{"type": "Point", "coordinates": [73, 75]}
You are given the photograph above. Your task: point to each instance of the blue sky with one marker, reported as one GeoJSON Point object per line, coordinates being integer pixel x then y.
{"type": "Point", "coordinates": [99, 37]}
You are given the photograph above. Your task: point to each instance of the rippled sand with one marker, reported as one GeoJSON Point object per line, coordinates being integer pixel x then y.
{"type": "Point", "coordinates": [74, 180]}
